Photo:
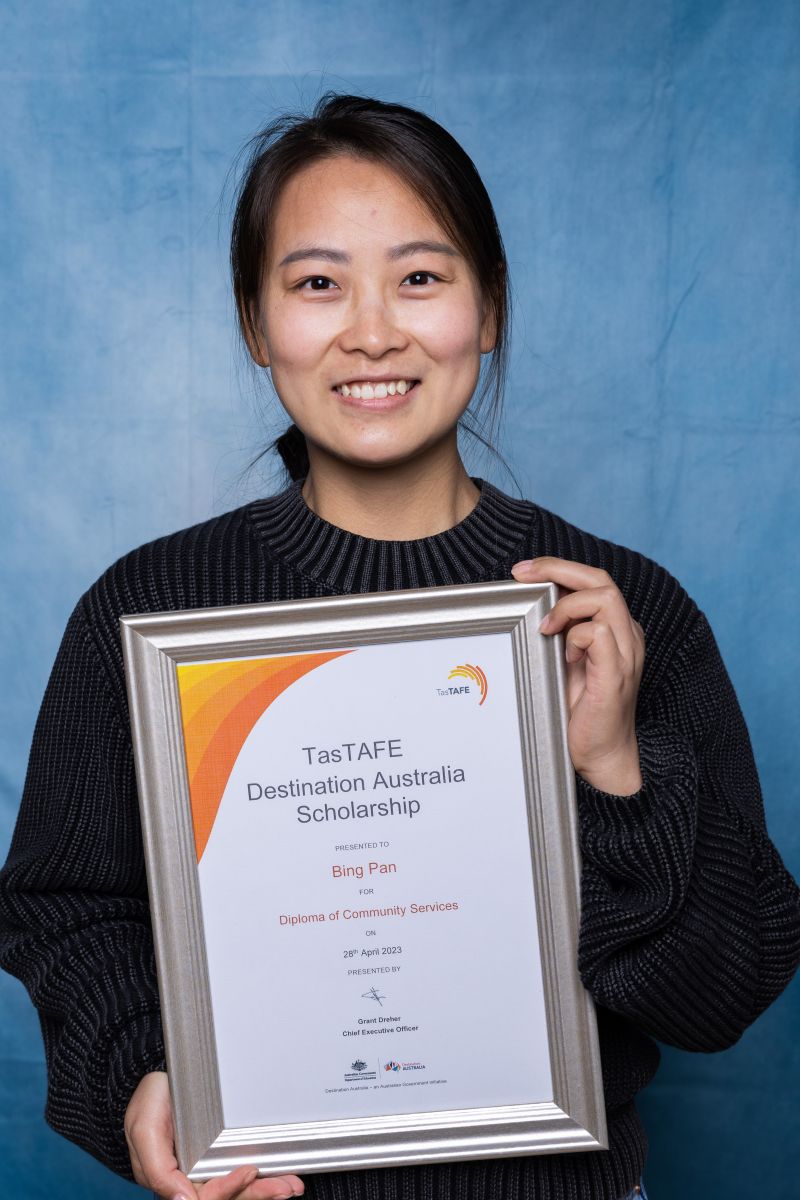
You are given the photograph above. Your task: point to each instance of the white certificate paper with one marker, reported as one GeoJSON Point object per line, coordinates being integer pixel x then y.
{"type": "Point", "coordinates": [365, 876]}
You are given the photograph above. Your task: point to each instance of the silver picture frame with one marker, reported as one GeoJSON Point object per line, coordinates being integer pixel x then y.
{"type": "Point", "coordinates": [154, 645]}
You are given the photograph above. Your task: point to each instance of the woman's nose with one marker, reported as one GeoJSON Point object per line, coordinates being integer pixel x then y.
{"type": "Point", "coordinates": [372, 327]}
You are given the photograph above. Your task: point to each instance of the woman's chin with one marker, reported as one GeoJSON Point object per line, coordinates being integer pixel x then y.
{"type": "Point", "coordinates": [379, 462]}
{"type": "Point", "coordinates": [380, 454]}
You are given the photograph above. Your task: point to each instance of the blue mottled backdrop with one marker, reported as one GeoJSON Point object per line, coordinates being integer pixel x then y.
{"type": "Point", "coordinates": [644, 163]}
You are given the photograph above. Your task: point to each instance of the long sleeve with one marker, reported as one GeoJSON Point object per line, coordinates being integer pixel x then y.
{"type": "Point", "coordinates": [74, 919]}
{"type": "Point", "coordinates": [690, 922]}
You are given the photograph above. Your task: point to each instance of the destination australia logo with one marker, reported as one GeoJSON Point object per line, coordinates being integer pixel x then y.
{"type": "Point", "coordinates": [477, 682]}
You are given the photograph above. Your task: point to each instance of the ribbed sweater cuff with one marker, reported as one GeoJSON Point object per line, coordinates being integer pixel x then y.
{"type": "Point", "coordinates": [667, 761]}
{"type": "Point", "coordinates": [134, 1055]}
{"type": "Point", "coordinates": [644, 841]}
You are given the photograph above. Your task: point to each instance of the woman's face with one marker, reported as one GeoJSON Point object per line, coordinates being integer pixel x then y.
{"type": "Point", "coordinates": [366, 294]}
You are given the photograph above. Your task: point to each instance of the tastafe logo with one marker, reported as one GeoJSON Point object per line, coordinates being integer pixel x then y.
{"type": "Point", "coordinates": [468, 671]}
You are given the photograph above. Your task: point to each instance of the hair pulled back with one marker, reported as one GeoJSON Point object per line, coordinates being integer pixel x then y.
{"type": "Point", "coordinates": [429, 160]}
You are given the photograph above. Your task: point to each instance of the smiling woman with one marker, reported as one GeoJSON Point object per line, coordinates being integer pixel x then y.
{"type": "Point", "coordinates": [409, 288]}
{"type": "Point", "coordinates": [371, 281]}
{"type": "Point", "coordinates": [377, 358]}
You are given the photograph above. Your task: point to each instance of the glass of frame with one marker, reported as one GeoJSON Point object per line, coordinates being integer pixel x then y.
{"type": "Point", "coordinates": [360, 831]}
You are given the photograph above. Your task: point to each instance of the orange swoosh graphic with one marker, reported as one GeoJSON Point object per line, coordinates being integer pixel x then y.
{"type": "Point", "coordinates": [220, 704]}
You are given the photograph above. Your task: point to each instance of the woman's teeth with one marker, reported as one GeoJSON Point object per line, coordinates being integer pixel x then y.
{"type": "Point", "coordinates": [378, 391]}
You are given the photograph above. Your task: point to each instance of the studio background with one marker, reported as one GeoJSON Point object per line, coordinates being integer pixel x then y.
{"type": "Point", "coordinates": [643, 161]}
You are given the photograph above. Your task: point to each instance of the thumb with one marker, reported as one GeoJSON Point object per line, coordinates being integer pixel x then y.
{"type": "Point", "coordinates": [156, 1154]}
{"type": "Point", "coordinates": [172, 1185]}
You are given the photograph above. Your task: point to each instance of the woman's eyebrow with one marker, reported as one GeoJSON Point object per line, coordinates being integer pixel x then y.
{"type": "Point", "coordinates": [393, 253]}
{"type": "Point", "coordinates": [423, 247]}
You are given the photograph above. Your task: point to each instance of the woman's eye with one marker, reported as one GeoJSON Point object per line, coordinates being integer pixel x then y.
{"type": "Point", "coordinates": [321, 283]}
{"type": "Point", "coordinates": [318, 283]}
{"type": "Point", "coordinates": [421, 276]}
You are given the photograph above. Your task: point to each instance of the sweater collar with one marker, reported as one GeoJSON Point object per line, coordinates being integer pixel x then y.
{"type": "Point", "coordinates": [492, 535]}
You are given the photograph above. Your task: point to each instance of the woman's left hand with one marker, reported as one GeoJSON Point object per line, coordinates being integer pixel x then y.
{"type": "Point", "coordinates": [605, 658]}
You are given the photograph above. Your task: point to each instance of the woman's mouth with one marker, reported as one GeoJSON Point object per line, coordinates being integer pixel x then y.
{"type": "Point", "coordinates": [385, 389]}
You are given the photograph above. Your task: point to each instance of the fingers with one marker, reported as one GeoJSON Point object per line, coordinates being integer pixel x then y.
{"type": "Point", "coordinates": [606, 602]}
{"type": "Point", "coordinates": [150, 1135]}
{"type": "Point", "coordinates": [573, 575]}
{"type": "Point", "coordinates": [172, 1185]}
{"type": "Point", "coordinates": [244, 1184]}
{"type": "Point", "coordinates": [279, 1187]}
{"type": "Point", "coordinates": [241, 1184]}
{"type": "Point", "coordinates": [596, 599]}
{"type": "Point", "coordinates": [151, 1140]}
{"type": "Point", "coordinates": [615, 648]}
{"type": "Point", "coordinates": [604, 651]}
{"type": "Point", "coordinates": [601, 607]}
{"type": "Point", "coordinates": [160, 1172]}
{"type": "Point", "coordinates": [596, 640]}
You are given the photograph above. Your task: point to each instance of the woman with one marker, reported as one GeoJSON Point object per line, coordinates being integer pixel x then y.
{"type": "Point", "coordinates": [370, 280]}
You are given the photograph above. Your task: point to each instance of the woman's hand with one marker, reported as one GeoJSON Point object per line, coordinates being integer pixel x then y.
{"type": "Point", "coordinates": [151, 1142]}
{"type": "Point", "coordinates": [605, 657]}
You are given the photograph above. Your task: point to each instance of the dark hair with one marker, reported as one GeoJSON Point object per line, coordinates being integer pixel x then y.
{"type": "Point", "coordinates": [429, 160]}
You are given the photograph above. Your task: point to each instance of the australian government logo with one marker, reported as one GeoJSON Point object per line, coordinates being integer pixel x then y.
{"type": "Point", "coordinates": [476, 682]}
{"type": "Point", "coordinates": [358, 1071]}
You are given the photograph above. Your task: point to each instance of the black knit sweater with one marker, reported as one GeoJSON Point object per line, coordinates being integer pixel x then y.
{"type": "Point", "coordinates": [690, 924]}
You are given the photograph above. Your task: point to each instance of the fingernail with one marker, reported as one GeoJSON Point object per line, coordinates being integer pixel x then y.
{"type": "Point", "coordinates": [544, 624]}
{"type": "Point", "coordinates": [526, 563]}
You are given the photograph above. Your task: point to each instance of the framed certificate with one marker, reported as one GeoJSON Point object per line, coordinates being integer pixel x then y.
{"type": "Point", "coordinates": [361, 843]}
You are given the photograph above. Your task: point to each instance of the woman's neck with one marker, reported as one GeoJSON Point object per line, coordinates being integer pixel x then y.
{"type": "Point", "coordinates": [404, 502]}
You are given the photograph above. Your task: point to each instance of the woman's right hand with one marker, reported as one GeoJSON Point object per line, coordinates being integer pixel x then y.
{"type": "Point", "coordinates": [151, 1141]}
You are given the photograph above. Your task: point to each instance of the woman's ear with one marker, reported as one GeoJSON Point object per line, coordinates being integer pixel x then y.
{"type": "Point", "coordinates": [488, 329]}
{"type": "Point", "coordinates": [253, 336]}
